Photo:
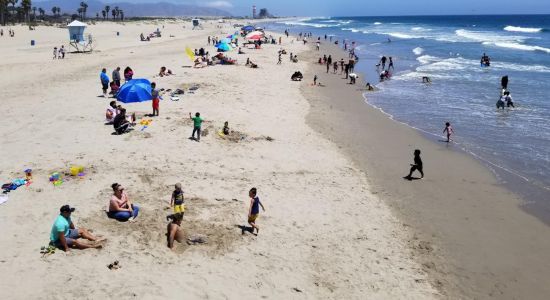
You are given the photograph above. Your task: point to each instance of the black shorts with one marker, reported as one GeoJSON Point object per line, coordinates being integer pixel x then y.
{"type": "Point", "coordinates": [105, 86]}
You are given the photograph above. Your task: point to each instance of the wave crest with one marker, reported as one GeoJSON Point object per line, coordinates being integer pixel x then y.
{"type": "Point", "coordinates": [522, 29]}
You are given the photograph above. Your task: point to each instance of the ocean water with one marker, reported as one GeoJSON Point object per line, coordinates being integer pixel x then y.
{"type": "Point", "coordinates": [514, 143]}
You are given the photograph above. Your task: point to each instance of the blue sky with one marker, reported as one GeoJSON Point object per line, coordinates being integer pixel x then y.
{"type": "Point", "coordinates": [373, 8]}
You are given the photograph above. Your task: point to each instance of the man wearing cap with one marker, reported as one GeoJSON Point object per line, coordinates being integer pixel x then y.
{"type": "Point", "coordinates": [65, 235]}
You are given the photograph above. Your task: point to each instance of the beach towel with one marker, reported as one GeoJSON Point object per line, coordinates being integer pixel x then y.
{"type": "Point", "coordinates": [3, 198]}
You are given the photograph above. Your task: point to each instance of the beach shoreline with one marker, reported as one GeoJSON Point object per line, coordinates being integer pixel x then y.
{"type": "Point", "coordinates": [469, 232]}
{"type": "Point", "coordinates": [324, 234]}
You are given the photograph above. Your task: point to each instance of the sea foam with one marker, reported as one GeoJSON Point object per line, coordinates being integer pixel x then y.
{"type": "Point", "coordinates": [522, 29]}
{"type": "Point", "coordinates": [418, 51]}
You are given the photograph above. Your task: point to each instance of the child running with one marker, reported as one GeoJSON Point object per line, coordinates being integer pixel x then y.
{"type": "Point", "coordinates": [254, 209]}
{"type": "Point", "coordinates": [177, 202]}
{"type": "Point", "coordinates": [416, 166]}
{"type": "Point", "coordinates": [449, 130]}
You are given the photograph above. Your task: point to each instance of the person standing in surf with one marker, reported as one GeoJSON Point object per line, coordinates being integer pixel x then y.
{"type": "Point", "coordinates": [449, 130]}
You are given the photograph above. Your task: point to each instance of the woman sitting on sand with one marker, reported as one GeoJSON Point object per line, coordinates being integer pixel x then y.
{"type": "Point", "coordinates": [164, 72]}
{"type": "Point", "coordinates": [173, 230]}
{"type": "Point", "coordinates": [120, 206]}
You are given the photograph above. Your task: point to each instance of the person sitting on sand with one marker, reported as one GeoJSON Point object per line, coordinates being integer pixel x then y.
{"type": "Point", "coordinates": [369, 87]}
{"type": "Point", "coordinates": [177, 202]}
{"type": "Point", "coordinates": [120, 123]}
{"type": "Point", "coordinates": [165, 72]}
{"type": "Point", "coordinates": [114, 88]}
{"type": "Point", "coordinates": [254, 209]}
{"type": "Point", "coordinates": [111, 112]}
{"type": "Point", "coordinates": [240, 51]}
{"type": "Point", "coordinates": [295, 59]}
{"type": "Point", "coordinates": [173, 230]}
{"type": "Point", "coordinates": [120, 206]}
{"type": "Point", "coordinates": [128, 74]}
{"type": "Point", "coordinates": [65, 235]}
{"type": "Point", "coordinates": [225, 129]}
{"type": "Point", "coordinates": [416, 166]}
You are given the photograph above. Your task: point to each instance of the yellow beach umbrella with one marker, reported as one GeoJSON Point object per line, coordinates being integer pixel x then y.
{"type": "Point", "coordinates": [190, 53]}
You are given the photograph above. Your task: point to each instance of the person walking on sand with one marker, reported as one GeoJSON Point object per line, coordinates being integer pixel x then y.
{"type": "Point", "coordinates": [341, 66]}
{"type": "Point", "coordinates": [449, 130]}
{"type": "Point", "coordinates": [62, 52]}
{"type": "Point", "coordinates": [156, 99]}
{"type": "Point", "coordinates": [280, 59]}
{"type": "Point", "coordinates": [254, 209]}
{"type": "Point", "coordinates": [65, 235]}
{"type": "Point", "coordinates": [416, 166]}
{"type": "Point", "coordinates": [315, 80]}
{"type": "Point", "coordinates": [54, 52]}
{"type": "Point", "coordinates": [328, 66]}
{"type": "Point", "coordinates": [335, 67]}
{"type": "Point", "coordinates": [104, 78]}
{"type": "Point", "coordinates": [177, 202]}
{"type": "Point", "coordinates": [197, 122]}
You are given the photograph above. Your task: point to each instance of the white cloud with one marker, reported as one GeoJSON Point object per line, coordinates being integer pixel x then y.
{"type": "Point", "coordinates": [218, 4]}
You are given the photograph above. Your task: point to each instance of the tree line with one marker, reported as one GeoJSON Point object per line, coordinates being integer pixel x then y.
{"type": "Point", "coordinates": [26, 12]}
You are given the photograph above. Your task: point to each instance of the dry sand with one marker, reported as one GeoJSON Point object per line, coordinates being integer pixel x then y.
{"type": "Point", "coordinates": [470, 234]}
{"type": "Point", "coordinates": [324, 233]}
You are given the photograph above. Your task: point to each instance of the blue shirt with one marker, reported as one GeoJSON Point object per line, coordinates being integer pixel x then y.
{"type": "Point", "coordinates": [255, 206]}
{"type": "Point", "coordinates": [61, 224]}
{"type": "Point", "coordinates": [104, 77]}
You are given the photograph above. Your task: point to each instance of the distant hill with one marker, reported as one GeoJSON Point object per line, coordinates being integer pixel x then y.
{"type": "Point", "coordinates": [160, 9]}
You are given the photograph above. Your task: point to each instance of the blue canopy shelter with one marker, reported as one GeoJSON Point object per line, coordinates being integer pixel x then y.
{"type": "Point", "coordinates": [248, 28]}
{"type": "Point", "coordinates": [135, 90]}
{"type": "Point", "coordinates": [223, 47]}
{"type": "Point", "coordinates": [76, 37]}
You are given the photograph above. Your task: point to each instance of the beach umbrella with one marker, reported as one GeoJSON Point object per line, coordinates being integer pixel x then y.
{"type": "Point", "coordinates": [224, 47]}
{"type": "Point", "coordinates": [190, 53]}
{"type": "Point", "coordinates": [248, 28]}
{"type": "Point", "coordinates": [135, 90]}
{"type": "Point", "coordinates": [225, 41]}
{"type": "Point", "coordinates": [255, 35]}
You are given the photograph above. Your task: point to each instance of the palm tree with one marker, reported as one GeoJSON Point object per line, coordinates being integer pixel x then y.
{"type": "Point", "coordinates": [26, 7]}
{"type": "Point", "coordinates": [12, 2]}
{"type": "Point", "coordinates": [121, 15]}
{"type": "Point", "coordinates": [107, 9]}
{"type": "Point", "coordinates": [79, 11]}
{"type": "Point", "coordinates": [3, 8]}
{"type": "Point", "coordinates": [34, 12]}
{"type": "Point", "coordinates": [103, 13]}
{"type": "Point", "coordinates": [114, 12]}
{"type": "Point", "coordinates": [84, 7]}
{"type": "Point", "coordinates": [41, 12]}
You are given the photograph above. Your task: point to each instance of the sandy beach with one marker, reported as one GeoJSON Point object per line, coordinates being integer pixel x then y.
{"type": "Point", "coordinates": [469, 232]}
{"type": "Point", "coordinates": [331, 229]}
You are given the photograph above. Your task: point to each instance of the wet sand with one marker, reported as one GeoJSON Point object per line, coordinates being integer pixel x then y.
{"type": "Point", "coordinates": [470, 233]}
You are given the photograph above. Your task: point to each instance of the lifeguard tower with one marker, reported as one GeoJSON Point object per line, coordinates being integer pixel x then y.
{"type": "Point", "coordinates": [76, 36]}
{"type": "Point", "coordinates": [196, 24]}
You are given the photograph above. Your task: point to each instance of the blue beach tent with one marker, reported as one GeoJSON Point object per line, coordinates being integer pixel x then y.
{"type": "Point", "coordinates": [135, 90]}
